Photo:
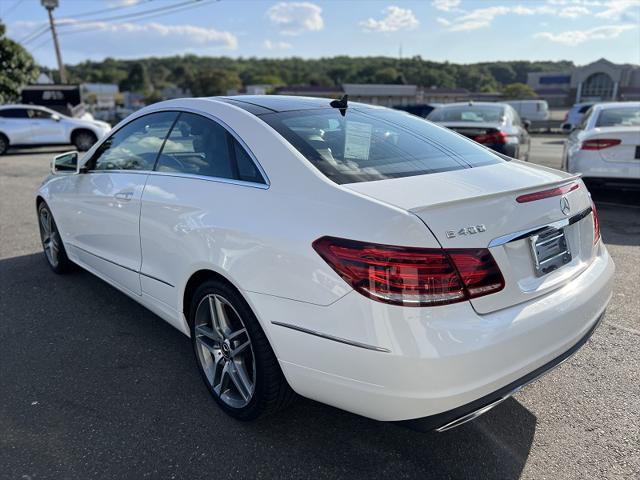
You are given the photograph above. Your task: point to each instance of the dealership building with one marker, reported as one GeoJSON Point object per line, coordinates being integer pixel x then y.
{"type": "Point", "coordinates": [599, 81]}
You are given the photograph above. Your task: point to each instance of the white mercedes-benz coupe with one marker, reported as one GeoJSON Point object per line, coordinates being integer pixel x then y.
{"type": "Point", "coordinates": [605, 146]}
{"type": "Point", "coordinates": [359, 256]}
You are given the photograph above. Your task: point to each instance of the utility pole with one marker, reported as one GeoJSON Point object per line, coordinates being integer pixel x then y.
{"type": "Point", "coordinates": [50, 5]}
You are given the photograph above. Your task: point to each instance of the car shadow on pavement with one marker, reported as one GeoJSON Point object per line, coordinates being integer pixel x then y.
{"type": "Point", "coordinates": [26, 151]}
{"type": "Point", "coordinates": [93, 384]}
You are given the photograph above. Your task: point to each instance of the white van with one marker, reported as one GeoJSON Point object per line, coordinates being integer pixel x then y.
{"type": "Point", "coordinates": [533, 110]}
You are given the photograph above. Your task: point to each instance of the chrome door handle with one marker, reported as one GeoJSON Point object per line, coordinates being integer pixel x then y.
{"type": "Point", "coordinates": [123, 196]}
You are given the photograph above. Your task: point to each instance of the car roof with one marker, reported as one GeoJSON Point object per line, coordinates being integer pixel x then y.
{"type": "Point", "coordinates": [260, 104]}
{"type": "Point", "coordinates": [604, 106]}
{"type": "Point", "coordinates": [473, 104]}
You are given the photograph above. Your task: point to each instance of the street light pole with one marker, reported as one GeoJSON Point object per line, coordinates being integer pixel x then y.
{"type": "Point", "coordinates": [50, 5]}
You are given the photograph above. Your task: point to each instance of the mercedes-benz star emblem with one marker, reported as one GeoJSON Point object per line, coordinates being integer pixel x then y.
{"type": "Point", "coordinates": [564, 205]}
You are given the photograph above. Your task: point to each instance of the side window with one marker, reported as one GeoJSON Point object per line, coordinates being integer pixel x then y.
{"type": "Point", "coordinates": [39, 114]}
{"type": "Point", "coordinates": [14, 113]}
{"type": "Point", "coordinates": [134, 146]}
{"type": "Point", "coordinates": [200, 146]}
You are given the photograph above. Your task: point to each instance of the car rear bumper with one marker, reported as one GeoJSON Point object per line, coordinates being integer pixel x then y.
{"type": "Point", "coordinates": [591, 166]}
{"type": "Point", "coordinates": [395, 363]}
{"type": "Point", "coordinates": [465, 413]}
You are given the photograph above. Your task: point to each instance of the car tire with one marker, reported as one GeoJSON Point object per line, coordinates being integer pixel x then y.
{"type": "Point", "coordinates": [84, 140]}
{"type": "Point", "coordinates": [4, 144]}
{"type": "Point", "coordinates": [233, 354]}
{"type": "Point", "coordinates": [54, 251]}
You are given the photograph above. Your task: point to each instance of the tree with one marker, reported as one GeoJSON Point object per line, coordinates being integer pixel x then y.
{"type": "Point", "coordinates": [138, 79]}
{"type": "Point", "coordinates": [17, 68]}
{"type": "Point", "coordinates": [518, 91]}
{"type": "Point", "coordinates": [214, 82]}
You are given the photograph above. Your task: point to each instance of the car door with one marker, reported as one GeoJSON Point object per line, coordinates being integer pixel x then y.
{"type": "Point", "coordinates": [101, 217]}
{"type": "Point", "coordinates": [16, 125]}
{"type": "Point", "coordinates": [199, 197]}
{"type": "Point", "coordinates": [46, 127]}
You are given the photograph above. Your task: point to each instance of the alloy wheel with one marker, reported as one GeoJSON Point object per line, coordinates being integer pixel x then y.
{"type": "Point", "coordinates": [224, 350]}
{"type": "Point", "coordinates": [50, 237]}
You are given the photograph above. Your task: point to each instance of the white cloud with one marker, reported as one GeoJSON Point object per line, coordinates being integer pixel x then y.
{"type": "Point", "coordinates": [443, 21]}
{"type": "Point", "coordinates": [446, 5]}
{"type": "Point", "coordinates": [96, 39]}
{"type": "Point", "coordinates": [483, 17]}
{"type": "Point", "coordinates": [294, 18]}
{"type": "Point", "coordinates": [621, 10]}
{"type": "Point", "coordinates": [270, 45]}
{"type": "Point", "coordinates": [396, 19]}
{"type": "Point", "coordinates": [576, 37]}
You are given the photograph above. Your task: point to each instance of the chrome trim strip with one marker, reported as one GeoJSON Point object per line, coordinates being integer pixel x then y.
{"type": "Point", "coordinates": [471, 416]}
{"type": "Point", "coordinates": [121, 266]}
{"type": "Point", "coordinates": [333, 338]}
{"type": "Point", "coordinates": [512, 237]}
{"type": "Point", "coordinates": [210, 116]}
{"type": "Point", "coordinates": [156, 279]}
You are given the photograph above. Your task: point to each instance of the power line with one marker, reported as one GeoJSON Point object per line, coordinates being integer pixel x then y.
{"type": "Point", "coordinates": [110, 9]}
{"type": "Point", "coordinates": [91, 28]}
{"type": "Point", "coordinates": [35, 35]}
{"type": "Point", "coordinates": [129, 16]}
{"type": "Point", "coordinates": [11, 8]}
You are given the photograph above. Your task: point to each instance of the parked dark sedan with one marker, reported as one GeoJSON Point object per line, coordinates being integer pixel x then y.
{"type": "Point", "coordinates": [496, 125]}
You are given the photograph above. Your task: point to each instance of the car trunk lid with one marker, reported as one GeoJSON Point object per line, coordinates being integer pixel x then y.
{"type": "Point", "coordinates": [478, 208]}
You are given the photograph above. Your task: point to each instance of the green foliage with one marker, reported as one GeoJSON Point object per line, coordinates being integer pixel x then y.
{"type": "Point", "coordinates": [518, 91]}
{"type": "Point", "coordinates": [17, 68]}
{"type": "Point", "coordinates": [216, 75]}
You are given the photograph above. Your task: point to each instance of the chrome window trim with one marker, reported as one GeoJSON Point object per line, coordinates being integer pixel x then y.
{"type": "Point", "coordinates": [519, 235]}
{"type": "Point", "coordinates": [222, 123]}
{"type": "Point", "coordinates": [332, 337]}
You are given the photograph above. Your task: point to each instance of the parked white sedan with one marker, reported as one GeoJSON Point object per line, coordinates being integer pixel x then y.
{"type": "Point", "coordinates": [356, 255]}
{"type": "Point", "coordinates": [29, 125]}
{"type": "Point", "coordinates": [605, 146]}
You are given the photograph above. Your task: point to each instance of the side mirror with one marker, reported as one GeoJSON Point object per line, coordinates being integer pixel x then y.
{"type": "Point", "coordinates": [65, 163]}
{"type": "Point", "coordinates": [55, 117]}
{"type": "Point", "coordinates": [527, 124]}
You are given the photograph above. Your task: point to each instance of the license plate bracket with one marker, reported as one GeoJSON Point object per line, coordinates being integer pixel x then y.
{"type": "Point", "coordinates": [550, 250]}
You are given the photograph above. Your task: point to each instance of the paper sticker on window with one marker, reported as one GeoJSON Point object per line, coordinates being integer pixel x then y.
{"type": "Point", "coordinates": [357, 140]}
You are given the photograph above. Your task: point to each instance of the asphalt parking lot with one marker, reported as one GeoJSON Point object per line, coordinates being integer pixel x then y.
{"type": "Point", "coordinates": [94, 386]}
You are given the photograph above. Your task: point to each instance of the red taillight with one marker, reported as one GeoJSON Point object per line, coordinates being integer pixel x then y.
{"type": "Point", "coordinates": [553, 192]}
{"type": "Point", "coordinates": [600, 143]}
{"type": "Point", "coordinates": [412, 276]}
{"type": "Point", "coordinates": [492, 138]}
{"type": "Point", "coordinates": [596, 224]}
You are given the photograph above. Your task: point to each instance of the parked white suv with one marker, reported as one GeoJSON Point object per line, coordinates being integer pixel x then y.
{"type": "Point", "coordinates": [22, 125]}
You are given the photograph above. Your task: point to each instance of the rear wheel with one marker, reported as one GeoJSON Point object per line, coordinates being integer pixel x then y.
{"type": "Point", "coordinates": [233, 354]}
{"type": "Point", "coordinates": [84, 140]}
{"type": "Point", "coordinates": [4, 144]}
{"type": "Point", "coordinates": [54, 251]}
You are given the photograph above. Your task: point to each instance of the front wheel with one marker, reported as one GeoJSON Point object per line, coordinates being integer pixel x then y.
{"type": "Point", "coordinates": [54, 251]}
{"type": "Point", "coordinates": [4, 144]}
{"type": "Point", "coordinates": [233, 354]}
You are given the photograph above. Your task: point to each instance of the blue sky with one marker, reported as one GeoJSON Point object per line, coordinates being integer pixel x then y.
{"type": "Point", "coordinates": [460, 31]}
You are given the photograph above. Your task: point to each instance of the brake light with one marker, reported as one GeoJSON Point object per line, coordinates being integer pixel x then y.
{"type": "Point", "coordinates": [492, 138]}
{"type": "Point", "coordinates": [600, 143]}
{"type": "Point", "coordinates": [410, 276]}
{"type": "Point", "coordinates": [596, 224]}
{"type": "Point", "coordinates": [553, 192]}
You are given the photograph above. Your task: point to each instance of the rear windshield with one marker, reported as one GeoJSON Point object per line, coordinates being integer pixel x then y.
{"type": "Point", "coordinates": [619, 116]}
{"type": "Point", "coordinates": [468, 113]}
{"type": "Point", "coordinates": [375, 144]}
